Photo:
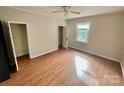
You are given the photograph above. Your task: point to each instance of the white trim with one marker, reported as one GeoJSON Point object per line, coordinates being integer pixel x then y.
{"type": "Point", "coordinates": [13, 48]}
{"type": "Point", "coordinates": [27, 31]}
{"type": "Point", "coordinates": [65, 37]}
{"type": "Point", "coordinates": [83, 23]}
{"type": "Point", "coordinates": [122, 69]}
{"type": "Point", "coordinates": [96, 54]}
{"type": "Point", "coordinates": [44, 53]}
{"type": "Point", "coordinates": [122, 66]}
{"type": "Point", "coordinates": [16, 22]}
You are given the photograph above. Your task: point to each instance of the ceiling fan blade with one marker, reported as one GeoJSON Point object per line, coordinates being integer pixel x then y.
{"type": "Point", "coordinates": [75, 12]}
{"type": "Point", "coordinates": [57, 11]}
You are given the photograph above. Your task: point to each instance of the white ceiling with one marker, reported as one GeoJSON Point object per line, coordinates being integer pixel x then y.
{"type": "Point", "coordinates": [84, 10]}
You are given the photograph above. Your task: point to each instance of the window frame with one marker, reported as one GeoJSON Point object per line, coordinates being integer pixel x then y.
{"type": "Point", "coordinates": [76, 36]}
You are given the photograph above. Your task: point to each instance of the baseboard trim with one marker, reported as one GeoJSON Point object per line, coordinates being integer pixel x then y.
{"type": "Point", "coordinates": [122, 69]}
{"type": "Point", "coordinates": [45, 53]}
{"type": "Point", "coordinates": [95, 54]}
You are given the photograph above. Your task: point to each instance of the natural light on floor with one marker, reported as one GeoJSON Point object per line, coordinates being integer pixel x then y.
{"type": "Point", "coordinates": [84, 71]}
{"type": "Point", "coordinates": [82, 66]}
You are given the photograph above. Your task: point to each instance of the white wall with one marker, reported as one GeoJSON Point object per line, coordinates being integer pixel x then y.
{"type": "Point", "coordinates": [42, 30]}
{"type": "Point", "coordinates": [19, 34]}
{"type": "Point", "coordinates": [105, 37]}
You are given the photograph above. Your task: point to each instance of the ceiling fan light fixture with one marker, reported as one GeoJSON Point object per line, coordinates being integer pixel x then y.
{"type": "Point", "coordinates": [66, 10]}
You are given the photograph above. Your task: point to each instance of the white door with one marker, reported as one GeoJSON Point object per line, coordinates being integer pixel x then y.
{"type": "Point", "coordinates": [65, 38]}
{"type": "Point", "coordinates": [13, 48]}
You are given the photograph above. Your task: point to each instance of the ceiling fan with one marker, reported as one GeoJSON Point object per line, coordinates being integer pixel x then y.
{"type": "Point", "coordinates": [66, 10]}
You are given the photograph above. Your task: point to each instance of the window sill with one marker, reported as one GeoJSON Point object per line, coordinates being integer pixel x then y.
{"type": "Point", "coordinates": [82, 42]}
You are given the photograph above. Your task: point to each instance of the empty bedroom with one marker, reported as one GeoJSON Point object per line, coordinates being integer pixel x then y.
{"type": "Point", "coordinates": [61, 45]}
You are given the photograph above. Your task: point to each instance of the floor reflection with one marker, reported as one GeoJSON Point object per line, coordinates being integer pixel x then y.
{"type": "Point", "coordinates": [84, 71]}
{"type": "Point", "coordinates": [81, 65]}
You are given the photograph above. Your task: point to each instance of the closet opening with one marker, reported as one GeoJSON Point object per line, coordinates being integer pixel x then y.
{"type": "Point", "coordinates": [19, 40]}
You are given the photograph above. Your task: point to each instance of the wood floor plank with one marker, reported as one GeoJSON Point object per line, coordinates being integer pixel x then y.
{"type": "Point", "coordinates": [66, 67]}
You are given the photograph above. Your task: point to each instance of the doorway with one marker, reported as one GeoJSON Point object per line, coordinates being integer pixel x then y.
{"type": "Point", "coordinates": [60, 33]}
{"type": "Point", "coordinates": [19, 40]}
{"type": "Point", "coordinates": [62, 37]}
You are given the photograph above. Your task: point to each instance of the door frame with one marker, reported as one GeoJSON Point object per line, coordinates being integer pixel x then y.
{"type": "Point", "coordinates": [12, 42]}
{"type": "Point", "coordinates": [65, 32]}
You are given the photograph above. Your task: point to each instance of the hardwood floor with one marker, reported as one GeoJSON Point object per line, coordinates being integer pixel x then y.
{"type": "Point", "coordinates": [66, 67]}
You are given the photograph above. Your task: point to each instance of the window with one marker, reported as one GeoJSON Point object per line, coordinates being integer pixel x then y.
{"type": "Point", "coordinates": [82, 31]}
